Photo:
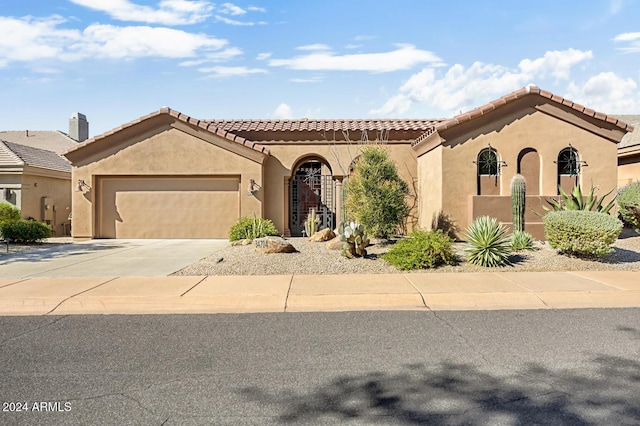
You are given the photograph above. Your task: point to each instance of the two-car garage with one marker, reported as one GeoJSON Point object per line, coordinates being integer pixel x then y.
{"type": "Point", "coordinates": [167, 206]}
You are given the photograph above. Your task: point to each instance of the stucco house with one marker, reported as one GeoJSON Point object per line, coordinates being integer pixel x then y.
{"type": "Point", "coordinates": [168, 175]}
{"type": "Point", "coordinates": [629, 152]}
{"type": "Point", "coordinates": [35, 177]}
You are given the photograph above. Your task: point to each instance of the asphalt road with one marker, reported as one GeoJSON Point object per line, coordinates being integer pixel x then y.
{"type": "Point", "coordinates": [573, 367]}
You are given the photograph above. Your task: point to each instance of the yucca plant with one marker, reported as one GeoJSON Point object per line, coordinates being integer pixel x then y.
{"type": "Point", "coordinates": [487, 242]}
{"type": "Point", "coordinates": [576, 201]}
{"type": "Point", "coordinates": [521, 240]}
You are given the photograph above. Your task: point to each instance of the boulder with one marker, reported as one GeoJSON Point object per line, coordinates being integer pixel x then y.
{"type": "Point", "coordinates": [244, 242]}
{"type": "Point", "coordinates": [273, 245]}
{"type": "Point", "coordinates": [335, 244]}
{"type": "Point", "coordinates": [322, 235]}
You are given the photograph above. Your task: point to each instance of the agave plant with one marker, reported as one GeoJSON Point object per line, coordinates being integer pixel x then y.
{"type": "Point", "coordinates": [488, 243]}
{"type": "Point", "coordinates": [521, 240]}
{"type": "Point", "coordinates": [576, 201]}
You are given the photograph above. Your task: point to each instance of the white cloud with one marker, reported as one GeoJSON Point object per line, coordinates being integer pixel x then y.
{"type": "Point", "coordinates": [256, 9]}
{"type": "Point", "coordinates": [234, 22]}
{"type": "Point", "coordinates": [462, 89]}
{"type": "Point", "coordinates": [221, 72]}
{"type": "Point", "coordinates": [307, 80]}
{"type": "Point", "coordinates": [283, 111]}
{"type": "Point", "coordinates": [405, 57]}
{"type": "Point", "coordinates": [231, 9]}
{"type": "Point", "coordinates": [314, 47]}
{"type": "Point", "coordinates": [608, 93]}
{"type": "Point", "coordinates": [32, 39]}
{"type": "Point", "coordinates": [633, 39]}
{"type": "Point", "coordinates": [168, 12]}
{"type": "Point", "coordinates": [263, 56]}
{"type": "Point", "coordinates": [557, 63]}
{"type": "Point", "coordinates": [221, 56]}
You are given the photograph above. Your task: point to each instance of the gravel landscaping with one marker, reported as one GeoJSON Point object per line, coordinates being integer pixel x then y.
{"type": "Point", "coordinates": [316, 259]}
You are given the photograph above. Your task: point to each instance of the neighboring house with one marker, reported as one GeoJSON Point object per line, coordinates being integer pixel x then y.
{"type": "Point", "coordinates": [35, 177]}
{"type": "Point", "coordinates": [629, 152]}
{"type": "Point", "coordinates": [167, 175]}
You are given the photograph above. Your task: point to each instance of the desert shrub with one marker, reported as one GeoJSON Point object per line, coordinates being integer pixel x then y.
{"type": "Point", "coordinates": [251, 228]}
{"type": "Point", "coordinates": [521, 240]}
{"type": "Point", "coordinates": [422, 250]}
{"type": "Point", "coordinates": [581, 232]}
{"type": "Point", "coordinates": [25, 231]}
{"type": "Point", "coordinates": [9, 213]}
{"type": "Point", "coordinates": [376, 193]}
{"type": "Point", "coordinates": [629, 204]}
{"type": "Point", "coordinates": [576, 201]}
{"type": "Point", "coordinates": [487, 242]}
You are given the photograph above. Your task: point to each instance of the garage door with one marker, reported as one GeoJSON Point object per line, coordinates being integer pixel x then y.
{"type": "Point", "coordinates": [167, 207]}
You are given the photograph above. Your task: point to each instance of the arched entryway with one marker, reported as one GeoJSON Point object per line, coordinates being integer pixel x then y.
{"type": "Point", "coordinates": [529, 167]}
{"type": "Point", "coordinates": [312, 187]}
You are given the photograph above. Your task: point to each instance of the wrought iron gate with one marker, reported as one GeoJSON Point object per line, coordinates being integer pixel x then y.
{"type": "Point", "coordinates": [310, 189]}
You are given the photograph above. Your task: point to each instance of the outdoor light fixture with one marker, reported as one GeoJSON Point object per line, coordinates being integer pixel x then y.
{"type": "Point", "coordinates": [82, 186]}
{"type": "Point", "coordinates": [253, 187]}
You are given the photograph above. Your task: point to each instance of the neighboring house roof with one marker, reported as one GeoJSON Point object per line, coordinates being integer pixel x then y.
{"type": "Point", "coordinates": [631, 138]}
{"type": "Point", "coordinates": [519, 94]}
{"type": "Point", "coordinates": [206, 125]}
{"type": "Point", "coordinates": [320, 125]}
{"type": "Point", "coordinates": [13, 154]}
{"type": "Point", "coordinates": [51, 140]}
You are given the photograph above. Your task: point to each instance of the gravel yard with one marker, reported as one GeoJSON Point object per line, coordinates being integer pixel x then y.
{"type": "Point", "coordinates": [315, 259]}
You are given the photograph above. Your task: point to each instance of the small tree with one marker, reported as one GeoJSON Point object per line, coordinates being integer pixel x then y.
{"type": "Point", "coordinates": [376, 193]}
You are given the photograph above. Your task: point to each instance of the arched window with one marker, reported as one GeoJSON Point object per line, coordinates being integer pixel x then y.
{"type": "Point", "coordinates": [488, 171]}
{"type": "Point", "coordinates": [568, 169]}
{"type": "Point", "coordinates": [488, 162]}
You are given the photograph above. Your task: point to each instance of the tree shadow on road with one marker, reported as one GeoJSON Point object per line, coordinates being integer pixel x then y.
{"type": "Point", "coordinates": [603, 392]}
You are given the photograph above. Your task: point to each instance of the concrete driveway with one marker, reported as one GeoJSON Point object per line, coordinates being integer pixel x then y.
{"type": "Point", "coordinates": [108, 258]}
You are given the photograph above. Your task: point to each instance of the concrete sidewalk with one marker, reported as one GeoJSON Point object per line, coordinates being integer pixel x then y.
{"type": "Point", "coordinates": [298, 293]}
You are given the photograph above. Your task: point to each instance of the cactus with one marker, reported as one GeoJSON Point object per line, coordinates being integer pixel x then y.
{"type": "Point", "coordinates": [354, 238]}
{"type": "Point", "coordinates": [311, 223]}
{"type": "Point", "coordinates": [518, 192]}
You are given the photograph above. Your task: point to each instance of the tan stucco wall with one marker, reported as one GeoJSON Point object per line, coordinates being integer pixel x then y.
{"type": "Point", "coordinates": [509, 134]}
{"type": "Point", "coordinates": [287, 156]}
{"type": "Point", "coordinates": [167, 148]}
{"type": "Point", "coordinates": [430, 187]}
{"type": "Point", "coordinates": [628, 169]}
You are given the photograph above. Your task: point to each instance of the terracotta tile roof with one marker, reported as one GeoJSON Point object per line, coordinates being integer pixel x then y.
{"type": "Point", "coordinates": [13, 154]}
{"type": "Point", "coordinates": [518, 94]}
{"type": "Point", "coordinates": [206, 125]}
{"type": "Point", "coordinates": [632, 138]}
{"type": "Point", "coordinates": [51, 140]}
{"type": "Point", "coordinates": [320, 125]}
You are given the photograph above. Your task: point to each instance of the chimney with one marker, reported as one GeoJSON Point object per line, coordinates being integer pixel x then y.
{"type": "Point", "coordinates": [78, 127]}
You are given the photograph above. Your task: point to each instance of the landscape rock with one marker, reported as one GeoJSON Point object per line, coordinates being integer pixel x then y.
{"type": "Point", "coordinates": [322, 235]}
{"type": "Point", "coordinates": [273, 245]}
{"type": "Point", "coordinates": [335, 244]}
{"type": "Point", "coordinates": [244, 242]}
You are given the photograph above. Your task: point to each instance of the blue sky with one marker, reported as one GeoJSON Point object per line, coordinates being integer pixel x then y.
{"type": "Point", "coordinates": [117, 60]}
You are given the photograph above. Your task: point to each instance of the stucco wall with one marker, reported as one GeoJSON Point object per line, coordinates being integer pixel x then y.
{"type": "Point", "coordinates": [58, 190]}
{"type": "Point", "coordinates": [509, 133]}
{"type": "Point", "coordinates": [169, 149]}
{"type": "Point", "coordinates": [628, 169]}
{"type": "Point", "coordinates": [430, 187]}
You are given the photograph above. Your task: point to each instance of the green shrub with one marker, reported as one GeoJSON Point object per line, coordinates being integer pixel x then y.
{"type": "Point", "coordinates": [9, 213]}
{"type": "Point", "coordinates": [487, 242]}
{"type": "Point", "coordinates": [581, 232]}
{"type": "Point", "coordinates": [422, 250]}
{"type": "Point", "coordinates": [629, 204]}
{"type": "Point", "coordinates": [252, 228]}
{"type": "Point", "coordinates": [521, 240]}
{"type": "Point", "coordinates": [376, 193]}
{"type": "Point", "coordinates": [25, 231]}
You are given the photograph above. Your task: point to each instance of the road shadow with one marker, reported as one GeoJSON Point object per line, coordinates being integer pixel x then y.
{"type": "Point", "coordinates": [603, 392]}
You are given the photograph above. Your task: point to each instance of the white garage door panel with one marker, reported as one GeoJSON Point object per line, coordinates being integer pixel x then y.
{"type": "Point", "coordinates": [169, 208]}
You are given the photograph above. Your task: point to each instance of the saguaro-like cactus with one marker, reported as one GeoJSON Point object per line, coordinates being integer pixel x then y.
{"type": "Point", "coordinates": [518, 192]}
{"type": "Point", "coordinates": [311, 224]}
